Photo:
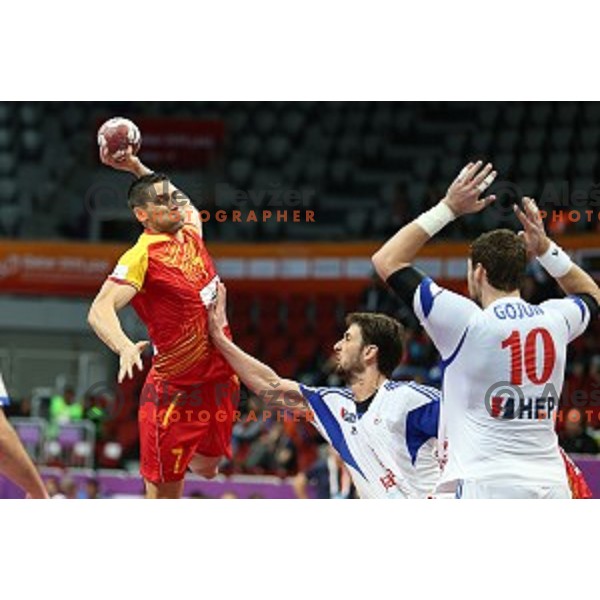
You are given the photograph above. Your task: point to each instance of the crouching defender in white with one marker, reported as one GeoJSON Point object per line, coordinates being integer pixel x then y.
{"type": "Point", "coordinates": [504, 359]}
{"type": "Point", "coordinates": [384, 431]}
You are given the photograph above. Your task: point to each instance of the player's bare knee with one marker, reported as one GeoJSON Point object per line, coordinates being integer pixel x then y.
{"type": "Point", "coordinates": [206, 472]}
{"type": "Point", "coordinates": [210, 473]}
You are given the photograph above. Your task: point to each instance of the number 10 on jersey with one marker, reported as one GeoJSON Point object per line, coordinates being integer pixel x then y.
{"type": "Point", "coordinates": [525, 355]}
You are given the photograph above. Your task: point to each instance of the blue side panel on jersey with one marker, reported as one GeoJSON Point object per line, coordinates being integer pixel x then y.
{"type": "Point", "coordinates": [332, 427]}
{"type": "Point", "coordinates": [421, 425]}
{"type": "Point", "coordinates": [582, 306]}
{"type": "Point", "coordinates": [4, 400]}
{"type": "Point", "coordinates": [426, 296]}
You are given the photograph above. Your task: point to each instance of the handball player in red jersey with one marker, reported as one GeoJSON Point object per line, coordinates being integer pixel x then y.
{"type": "Point", "coordinates": [186, 408]}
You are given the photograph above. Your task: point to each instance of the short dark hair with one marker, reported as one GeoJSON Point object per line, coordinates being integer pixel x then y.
{"type": "Point", "coordinates": [142, 189]}
{"type": "Point", "coordinates": [503, 256]}
{"type": "Point", "coordinates": [385, 333]}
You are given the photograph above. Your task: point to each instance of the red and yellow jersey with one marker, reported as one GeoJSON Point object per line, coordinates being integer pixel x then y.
{"type": "Point", "coordinates": [176, 281]}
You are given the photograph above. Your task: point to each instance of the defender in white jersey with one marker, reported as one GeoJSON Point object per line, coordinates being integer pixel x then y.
{"type": "Point", "coordinates": [503, 359]}
{"type": "Point", "coordinates": [384, 431]}
{"type": "Point", "coordinates": [14, 460]}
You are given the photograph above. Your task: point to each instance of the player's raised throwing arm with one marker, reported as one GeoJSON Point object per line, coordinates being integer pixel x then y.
{"type": "Point", "coordinates": [258, 377]}
{"type": "Point", "coordinates": [132, 164]}
{"type": "Point", "coordinates": [462, 197]}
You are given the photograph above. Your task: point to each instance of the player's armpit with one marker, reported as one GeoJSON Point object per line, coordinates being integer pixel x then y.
{"type": "Point", "coordinates": [116, 294]}
{"type": "Point", "coordinates": [445, 315]}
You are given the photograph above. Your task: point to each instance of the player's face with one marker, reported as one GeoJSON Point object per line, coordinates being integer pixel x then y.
{"type": "Point", "coordinates": [349, 352]}
{"type": "Point", "coordinates": [164, 210]}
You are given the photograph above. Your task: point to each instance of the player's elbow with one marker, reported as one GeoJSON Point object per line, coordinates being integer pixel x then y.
{"type": "Point", "coordinates": [93, 316]}
{"type": "Point", "coordinates": [382, 263]}
{"type": "Point", "coordinates": [385, 264]}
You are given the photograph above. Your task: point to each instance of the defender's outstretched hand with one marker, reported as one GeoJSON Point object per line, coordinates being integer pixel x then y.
{"type": "Point", "coordinates": [463, 196]}
{"type": "Point", "coordinates": [217, 313]}
{"type": "Point", "coordinates": [534, 233]}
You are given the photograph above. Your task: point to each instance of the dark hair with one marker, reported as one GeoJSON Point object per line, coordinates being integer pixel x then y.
{"type": "Point", "coordinates": [142, 189]}
{"type": "Point", "coordinates": [503, 256]}
{"type": "Point", "coordinates": [385, 333]}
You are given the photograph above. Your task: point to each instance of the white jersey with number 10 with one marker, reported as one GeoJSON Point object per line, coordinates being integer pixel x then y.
{"type": "Point", "coordinates": [503, 374]}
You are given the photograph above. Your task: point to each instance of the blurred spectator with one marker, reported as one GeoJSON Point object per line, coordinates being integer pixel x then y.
{"type": "Point", "coordinates": [68, 488]}
{"type": "Point", "coordinates": [574, 438]}
{"type": "Point", "coordinates": [53, 488]}
{"type": "Point", "coordinates": [376, 297]}
{"type": "Point", "coordinates": [95, 412]}
{"type": "Point", "coordinates": [420, 356]}
{"type": "Point", "coordinates": [328, 474]}
{"type": "Point", "coordinates": [64, 409]}
{"type": "Point", "coordinates": [272, 452]}
{"type": "Point", "coordinates": [90, 491]}
{"type": "Point", "coordinates": [21, 409]}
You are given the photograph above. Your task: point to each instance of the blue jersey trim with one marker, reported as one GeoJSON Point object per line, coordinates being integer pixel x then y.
{"type": "Point", "coordinates": [331, 426]}
{"type": "Point", "coordinates": [427, 391]}
{"type": "Point", "coordinates": [426, 296]}
{"type": "Point", "coordinates": [446, 363]}
{"type": "Point", "coordinates": [341, 391]}
{"type": "Point", "coordinates": [581, 304]}
{"type": "Point", "coordinates": [421, 425]}
{"type": "Point", "coordinates": [4, 400]}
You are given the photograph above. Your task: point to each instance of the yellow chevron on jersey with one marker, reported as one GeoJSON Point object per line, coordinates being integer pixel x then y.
{"type": "Point", "coordinates": [132, 266]}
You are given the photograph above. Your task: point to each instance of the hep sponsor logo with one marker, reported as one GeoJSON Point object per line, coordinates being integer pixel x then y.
{"type": "Point", "coordinates": [506, 401]}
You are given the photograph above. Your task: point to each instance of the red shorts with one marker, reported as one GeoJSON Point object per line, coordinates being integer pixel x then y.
{"type": "Point", "coordinates": [178, 422]}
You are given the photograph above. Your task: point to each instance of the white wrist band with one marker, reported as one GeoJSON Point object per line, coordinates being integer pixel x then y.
{"type": "Point", "coordinates": [435, 219]}
{"type": "Point", "coordinates": [556, 261]}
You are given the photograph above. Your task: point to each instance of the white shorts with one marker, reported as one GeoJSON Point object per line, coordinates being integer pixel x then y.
{"type": "Point", "coordinates": [475, 490]}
